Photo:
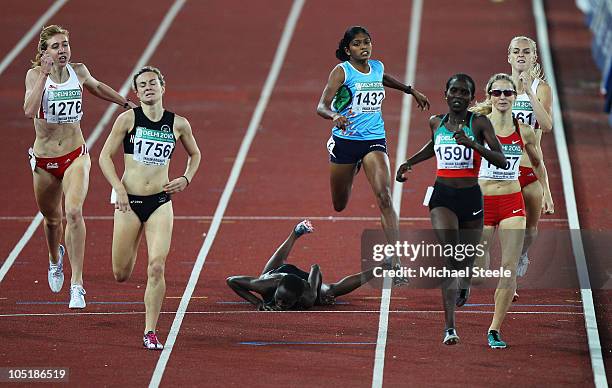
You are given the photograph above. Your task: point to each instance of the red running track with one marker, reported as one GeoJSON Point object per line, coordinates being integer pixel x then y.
{"type": "Point", "coordinates": [215, 59]}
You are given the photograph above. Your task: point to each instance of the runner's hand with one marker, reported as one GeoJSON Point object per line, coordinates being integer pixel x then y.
{"type": "Point", "coordinates": [46, 63]}
{"type": "Point", "coordinates": [462, 139]}
{"type": "Point", "coordinates": [525, 81]}
{"type": "Point", "coordinates": [176, 185]}
{"type": "Point", "coordinates": [343, 122]}
{"type": "Point", "coordinates": [122, 203]}
{"type": "Point", "coordinates": [403, 168]}
{"type": "Point", "coordinates": [420, 99]}
{"type": "Point", "coordinates": [548, 206]}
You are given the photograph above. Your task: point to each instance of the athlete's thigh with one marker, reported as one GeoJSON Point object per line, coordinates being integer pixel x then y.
{"type": "Point", "coordinates": [341, 177]}
{"type": "Point", "coordinates": [511, 235]}
{"type": "Point", "coordinates": [376, 168]}
{"type": "Point", "coordinates": [48, 193]}
{"type": "Point", "coordinates": [533, 195]}
{"type": "Point", "coordinates": [158, 230]}
{"type": "Point", "coordinates": [445, 224]}
{"type": "Point", "coordinates": [127, 233]}
{"type": "Point", "coordinates": [76, 181]}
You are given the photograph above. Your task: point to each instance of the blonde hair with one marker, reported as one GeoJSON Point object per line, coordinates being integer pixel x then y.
{"type": "Point", "coordinates": [536, 70]}
{"type": "Point", "coordinates": [485, 107]}
{"type": "Point", "coordinates": [46, 34]}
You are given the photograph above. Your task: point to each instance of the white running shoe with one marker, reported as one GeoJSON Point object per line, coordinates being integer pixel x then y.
{"type": "Point", "coordinates": [77, 297]}
{"type": "Point", "coordinates": [450, 337]}
{"type": "Point", "coordinates": [523, 263]}
{"type": "Point", "coordinates": [55, 275]}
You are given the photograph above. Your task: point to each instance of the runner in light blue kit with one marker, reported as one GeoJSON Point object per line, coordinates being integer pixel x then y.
{"type": "Point", "coordinates": [352, 99]}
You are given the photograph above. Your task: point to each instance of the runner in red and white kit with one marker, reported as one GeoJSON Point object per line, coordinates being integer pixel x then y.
{"type": "Point", "coordinates": [533, 106]}
{"type": "Point", "coordinates": [504, 208]}
{"type": "Point", "coordinates": [59, 158]}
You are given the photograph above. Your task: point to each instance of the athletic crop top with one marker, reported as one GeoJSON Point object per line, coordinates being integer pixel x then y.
{"type": "Point", "coordinates": [512, 147]}
{"type": "Point", "coordinates": [150, 143]}
{"type": "Point", "coordinates": [522, 109]}
{"type": "Point", "coordinates": [62, 103]}
{"type": "Point", "coordinates": [362, 94]}
{"type": "Point", "coordinates": [455, 160]}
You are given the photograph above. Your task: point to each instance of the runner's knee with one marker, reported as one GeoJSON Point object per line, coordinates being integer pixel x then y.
{"type": "Point", "coordinates": [156, 270]}
{"type": "Point", "coordinates": [53, 221]}
{"type": "Point", "coordinates": [74, 214]}
{"type": "Point", "coordinates": [384, 200]}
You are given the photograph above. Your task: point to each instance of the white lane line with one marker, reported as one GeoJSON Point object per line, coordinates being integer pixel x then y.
{"type": "Point", "coordinates": [277, 63]}
{"type": "Point", "coordinates": [35, 29]}
{"type": "Point", "coordinates": [144, 58]}
{"type": "Point", "coordinates": [266, 218]}
{"type": "Point", "coordinates": [400, 157]}
{"type": "Point", "coordinates": [309, 312]}
{"type": "Point", "coordinates": [597, 364]}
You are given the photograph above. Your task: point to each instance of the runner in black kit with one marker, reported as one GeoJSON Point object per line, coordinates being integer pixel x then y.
{"type": "Point", "coordinates": [142, 196]}
{"type": "Point", "coordinates": [283, 286]}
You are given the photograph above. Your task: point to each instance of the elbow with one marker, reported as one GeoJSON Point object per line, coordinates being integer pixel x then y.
{"type": "Point", "coordinates": [321, 110]}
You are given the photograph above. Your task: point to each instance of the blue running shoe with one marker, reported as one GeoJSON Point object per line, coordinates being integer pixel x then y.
{"type": "Point", "coordinates": [450, 337]}
{"type": "Point", "coordinates": [495, 341]}
{"type": "Point", "coordinates": [55, 274]}
{"type": "Point", "coordinates": [303, 228]}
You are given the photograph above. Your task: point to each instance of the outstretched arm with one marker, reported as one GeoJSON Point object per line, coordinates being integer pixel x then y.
{"type": "Point", "coordinates": [419, 97]}
{"type": "Point", "coordinates": [100, 89]}
{"type": "Point", "coordinates": [424, 153]}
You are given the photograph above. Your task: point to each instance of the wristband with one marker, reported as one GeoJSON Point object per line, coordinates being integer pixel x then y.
{"type": "Point", "coordinates": [183, 176]}
{"type": "Point", "coordinates": [409, 90]}
{"type": "Point", "coordinates": [126, 104]}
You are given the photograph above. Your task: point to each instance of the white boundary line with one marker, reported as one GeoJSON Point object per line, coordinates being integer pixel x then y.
{"type": "Point", "coordinates": [36, 27]}
{"type": "Point", "coordinates": [597, 364]}
{"type": "Point", "coordinates": [146, 55]}
{"type": "Point", "coordinates": [400, 157]}
{"type": "Point", "coordinates": [268, 87]}
{"type": "Point", "coordinates": [306, 312]}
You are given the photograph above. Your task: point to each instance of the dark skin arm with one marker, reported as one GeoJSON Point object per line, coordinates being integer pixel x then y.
{"type": "Point", "coordinates": [484, 130]}
{"type": "Point", "coordinates": [335, 81]}
{"type": "Point", "coordinates": [427, 152]}
{"type": "Point", "coordinates": [419, 97]}
{"type": "Point", "coordinates": [244, 286]}
{"type": "Point", "coordinates": [309, 296]}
